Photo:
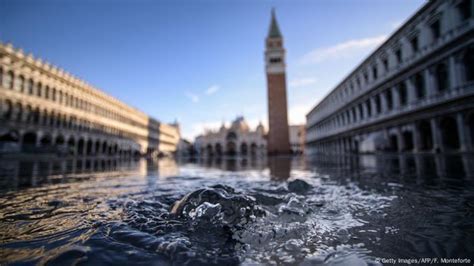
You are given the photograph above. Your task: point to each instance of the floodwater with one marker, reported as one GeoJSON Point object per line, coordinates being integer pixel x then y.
{"type": "Point", "coordinates": [340, 210]}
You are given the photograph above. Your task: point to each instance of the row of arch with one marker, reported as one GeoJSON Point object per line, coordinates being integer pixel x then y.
{"type": "Point", "coordinates": [231, 148]}
{"type": "Point", "coordinates": [17, 82]}
{"type": "Point", "coordinates": [444, 134]}
{"type": "Point", "coordinates": [32, 141]}
{"type": "Point", "coordinates": [34, 115]}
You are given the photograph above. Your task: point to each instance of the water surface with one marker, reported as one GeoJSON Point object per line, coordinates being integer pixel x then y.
{"type": "Point", "coordinates": [321, 210]}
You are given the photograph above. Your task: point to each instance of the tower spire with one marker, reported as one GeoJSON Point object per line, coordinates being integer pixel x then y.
{"type": "Point", "coordinates": [274, 31]}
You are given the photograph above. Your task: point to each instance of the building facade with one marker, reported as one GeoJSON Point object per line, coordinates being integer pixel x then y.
{"type": "Point", "coordinates": [297, 138]}
{"type": "Point", "coordinates": [414, 93]}
{"type": "Point", "coordinates": [278, 136]}
{"type": "Point", "coordinates": [44, 109]}
{"type": "Point", "coordinates": [235, 140]}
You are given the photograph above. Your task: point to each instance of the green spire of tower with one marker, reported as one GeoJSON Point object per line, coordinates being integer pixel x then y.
{"type": "Point", "coordinates": [274, 31]}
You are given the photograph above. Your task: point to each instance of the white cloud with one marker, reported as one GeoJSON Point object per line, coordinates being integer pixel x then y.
{"type": "Point", "coordinates": [193, 97]}
{"type": "Point", "coordinates": [341, 50]}
{"type": "Point", "coordinates": [302, 82]}
{"type": "Point", "coordinates": [297, 113]}
{"type": "Point", "coordinates": [213, 89]}
{"type": "Point", "coordinates": [396, 24]}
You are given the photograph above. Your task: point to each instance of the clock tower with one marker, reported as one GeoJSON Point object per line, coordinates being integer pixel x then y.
{"type": "Point", "coordinates": [278, 136]}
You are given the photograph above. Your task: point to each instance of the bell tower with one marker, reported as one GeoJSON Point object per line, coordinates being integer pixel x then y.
{"type": "Point", "coordinates": [278, 136]}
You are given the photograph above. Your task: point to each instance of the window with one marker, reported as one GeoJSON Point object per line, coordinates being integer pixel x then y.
{"type": "Point", "coordinates": [275, 60]}
{"type": "Point", "coordinates": [19, 83]}
{"type": "Point", "coordinates": [398, 55]}
{"type": "Point", "coordinates": [374, 72]}
{"type": "Point", "coordinates": [39, 90]}
{"type": "Point", "coordinates": [465, 9]}
{"type": "Point", "coordinates": [54, 95]}
{"type": "Point", "coordinates": [361, 111]}
{"type": "Point", "coordinates": [435, 30]}
{"type": "Point", "coordinates": [9, 80]}
{"type": "Point", "coordinates": [442, 79]}
{"type": "Point", "coordinates": [46, 92]}
{"type": "Point", "coordinates": [402, 92]}
{"type": "Point", "coordinates": [414, 44]}
{"type": "Point", "coordinates": [385, 64]}
{"type": "Point", "coordinates": [419, 86]}
{"type": "Point", "coordinates": [378, 106]}
{"type": "Point", "coordinates": [468, 62]}
{"type": "Point", "coordinates": [366, 77]}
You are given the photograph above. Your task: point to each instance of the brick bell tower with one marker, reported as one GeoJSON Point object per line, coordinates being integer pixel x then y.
{"type": "Point", "coordinates": [278, 137]}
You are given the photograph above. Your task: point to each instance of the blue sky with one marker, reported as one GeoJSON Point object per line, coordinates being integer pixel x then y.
{"type": "Point", "coordinates": [201, 61]}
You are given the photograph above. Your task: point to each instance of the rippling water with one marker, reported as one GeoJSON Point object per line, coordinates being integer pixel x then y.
{"type": "Point", "coordinates": [330, 210]}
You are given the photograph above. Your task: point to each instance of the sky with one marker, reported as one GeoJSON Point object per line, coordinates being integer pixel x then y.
{"type": "Point", "coordinates": [201, 62]}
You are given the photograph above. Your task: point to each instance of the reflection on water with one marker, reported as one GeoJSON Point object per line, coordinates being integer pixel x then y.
{"type": "Point", "coordinates": [330, 210]}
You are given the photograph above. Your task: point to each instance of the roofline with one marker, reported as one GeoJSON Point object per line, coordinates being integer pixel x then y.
{"type": "Point", "coordinates": [389, 39]}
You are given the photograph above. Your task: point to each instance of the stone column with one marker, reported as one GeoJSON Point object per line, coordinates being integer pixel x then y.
{"type": "Point", "coordinates": [462, 131]}
{"type": "Point", "coordinates": [416, 138]}
{"type": "Point", "coordinates": [395, 97]}
{"type": "Point", "coordinates": [429, 83]}
{"type": "Point", "coordinates": [401, 141]}
{"type": "Point", "coordinates": [453, 72]}
{"type": "Point", "coordinates": [373, 107]}
{"type": "Point", "coordinates": [437, 143]}
{"type": "Point", "coordinates": [383, 102]}
{"type": "Point", "coordinates": [411, 91]}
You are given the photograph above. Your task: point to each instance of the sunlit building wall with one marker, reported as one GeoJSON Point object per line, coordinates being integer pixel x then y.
{"type": "Point", "coordinates": [44, 108]}
{"type": "Point", "coordinates": [414, 93]}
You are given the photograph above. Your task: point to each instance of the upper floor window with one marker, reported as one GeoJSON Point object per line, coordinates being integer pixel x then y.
{"type": "Point", "coordinates": [361, 111]}
{"type": "Point", "coordinates": [468, 62]}
{"type": "Point", "coordinates": [419, 83]}
{"type": "Point", "coordinates": [275, 60]}
{"type": "Point", "coordinates": [46, 92]}
{"type": "Point", "coordinates": [30, 87]}
{"type": "Point", "coordinates": [378, 106]}
{"type": "Point", "coordinates": [369, 108]}
{"type": "Point", "coordinates": [9, 80]}
{"type": "Point", "coordinates": [374, 71]}
{"type": "Point", "coordinates": [414, 44]}
{"type": "Point", "coordinates": [385, 64]}
{"type": "Point", "coordinates": [39, 90]}
{"type": "Point", "coordinates": [402, 92]}
{"type": "Point", "coordinates": [366, 77]}
{"type": "Point", "coordinates": [54, 95]}
{"type": "Point", "coordinates": [435, 28]}
{"type": "Point", "coordinates": [441, 76]}
{"type": "Point", "coordinates": [398, 55]}
{"type": "Point", "coordinates": [465, 9]}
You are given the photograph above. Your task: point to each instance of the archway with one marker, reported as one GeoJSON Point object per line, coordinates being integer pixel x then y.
{"type": "Point", "coordinates": [29, 142]}
{"type": "Point", "coordinates": [59, 141]}
{"type": "Point", "coordinates": [449, 133]}
{"type": "Point", "coordinates": [104, 147]}
{"type": "Point", "coordinates": [45, 141]}
{"type": "Point", "coordinates": [470, 125]}
{"type": "Point", "coordinates": [80, 146]}
{"type": "Point", "coordinates": [393, 143]}
{"type": "Point", "coordinates": [243, 148]}
{"type": "Point", "coordinates": [253, 149]}
{"type": "Point", "coordinates": [426, 136]}
{"type": "Point", "coordinates": [231, 148]}
{"type": "Point", "coordinates": [209, 150]}
{"type": "Point", "coordinates": [89, 147]}
{"type": "Point", "coordinates": [442, 78]}
{"type": "Point", "coordinates": [218, 149]}
{"type": "Point", "coordinates": [97, 147]}
{"type": "Point", "coordinates": [407, 140]}
{"type": "Point", "coordinates": [468, 62]}
{"type": "Point", "coordinates": [71, 144]}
